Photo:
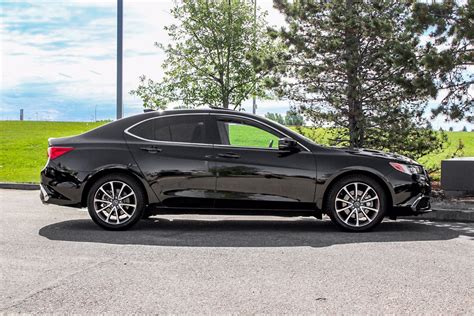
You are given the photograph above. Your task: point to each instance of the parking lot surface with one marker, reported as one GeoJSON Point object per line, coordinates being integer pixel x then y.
{"type": "Point", "coordinates": [54, 259]}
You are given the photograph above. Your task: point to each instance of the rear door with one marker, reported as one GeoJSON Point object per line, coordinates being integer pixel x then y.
{"type": "Point", "coordinates": [172, 152]}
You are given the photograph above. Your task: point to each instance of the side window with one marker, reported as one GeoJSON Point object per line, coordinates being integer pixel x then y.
{"type": "Point", "coordinates": [180, 128]}
{"type": "Point", "coordinates": [242, 134]}
{"type": "Point", "coordinates": [144, 130]}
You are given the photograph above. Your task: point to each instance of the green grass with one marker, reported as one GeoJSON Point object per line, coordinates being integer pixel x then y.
{"type": "Point", "coordinates": [23, 145]}
{"type": "Point", "coordinates": [248, 136]}
{"type": "Point", "coordinates": [433, 161]}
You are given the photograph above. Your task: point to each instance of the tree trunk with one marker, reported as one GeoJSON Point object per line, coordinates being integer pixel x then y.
{"type": "Point", "coordinates": [225, 100]}
{"type": "Point", "coordinates": [226, 95]}
{"type": "Point", "coordinates": [224, 92]}
{"type": "Point", "coordinates": [356, 133]}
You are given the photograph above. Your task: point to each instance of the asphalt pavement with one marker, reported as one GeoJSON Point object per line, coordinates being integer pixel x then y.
{"type": "Point", "coordinates": [56, 260]}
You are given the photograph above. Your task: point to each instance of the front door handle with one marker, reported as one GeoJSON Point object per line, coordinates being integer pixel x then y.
{"type": "Point", "coordinates": [229, 155]}
{"type": "Point", "coordinates": [151, 149]}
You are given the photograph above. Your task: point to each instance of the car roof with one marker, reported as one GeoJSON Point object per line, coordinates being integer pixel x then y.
{"type": "Point", "coordinates": [198, 110]}
{"type": "Point", "coordinates": [155, 113]}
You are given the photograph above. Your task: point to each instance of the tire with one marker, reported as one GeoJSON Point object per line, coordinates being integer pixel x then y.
{"type": "Point", "coordinates": [120, 210]}
{"type": "Point", "coordinates": [356, 213]}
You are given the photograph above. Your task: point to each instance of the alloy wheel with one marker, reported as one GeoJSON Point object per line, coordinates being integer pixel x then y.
{"type": "Point", "coordinates": [115, 202]}
{"type": "Point", "coordinates": [357, 204]}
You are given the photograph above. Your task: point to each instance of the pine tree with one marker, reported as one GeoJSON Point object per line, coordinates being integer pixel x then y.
{"type": "Point", "coordinates": [448, 31]}
{"type": "Point", "coordinates": [353, 65]}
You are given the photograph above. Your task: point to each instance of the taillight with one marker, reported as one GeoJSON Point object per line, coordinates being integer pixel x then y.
{"type": "Point", "coordinates": [55, 152]}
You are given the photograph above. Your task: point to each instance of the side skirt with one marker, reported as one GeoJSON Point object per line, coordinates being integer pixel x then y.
{"type": "Point", "coordinates": [159, 210]}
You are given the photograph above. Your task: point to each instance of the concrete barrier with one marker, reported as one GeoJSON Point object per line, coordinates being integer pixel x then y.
{"type": "Point", "coordinates": [457, 176]}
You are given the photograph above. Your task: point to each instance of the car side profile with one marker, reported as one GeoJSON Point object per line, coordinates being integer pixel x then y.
{"type": "Point", "coordinates": [212, 161]}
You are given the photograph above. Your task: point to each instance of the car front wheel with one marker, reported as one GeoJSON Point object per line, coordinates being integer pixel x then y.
{"type": "Point", "coordinates": [116, 202]}
{"type": "Point", "coordinates": [356, 203]}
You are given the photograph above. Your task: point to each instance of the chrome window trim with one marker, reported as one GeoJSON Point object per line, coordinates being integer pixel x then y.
{"type": "Point", "coordinates": [127, 131]}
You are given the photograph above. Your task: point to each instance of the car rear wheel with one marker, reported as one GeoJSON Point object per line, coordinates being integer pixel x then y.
{"type": "Point", "coordinates": [356, 203]}
{"type": "Point", "coordinates": [116, 202]}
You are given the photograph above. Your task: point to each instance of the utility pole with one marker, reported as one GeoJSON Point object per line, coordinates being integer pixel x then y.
{"type": "Point", "coordinates": [119, 58]}
{"type": "Point", "coordinates": [21, 114]}
{"type": "Point", "coordinates": [254, 106]}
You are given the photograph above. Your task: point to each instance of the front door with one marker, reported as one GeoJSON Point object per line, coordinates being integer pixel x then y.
{"type": "Point", "coordinates": [172, 153]}
{"type": "Point", "coordinates": [252, 173]}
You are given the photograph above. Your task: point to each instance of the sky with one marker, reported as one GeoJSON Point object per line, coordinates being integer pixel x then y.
{"type": "Point", "coordinates": [58, 58]}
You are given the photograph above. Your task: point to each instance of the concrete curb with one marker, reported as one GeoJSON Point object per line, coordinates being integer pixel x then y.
{"type": "Point", "coordinates": [19, 186]}
{"type": "Point", "coordinates": [447, 215]}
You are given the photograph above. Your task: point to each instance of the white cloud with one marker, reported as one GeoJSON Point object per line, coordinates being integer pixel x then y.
{"type": "Point", "coordinates": [72, 46]}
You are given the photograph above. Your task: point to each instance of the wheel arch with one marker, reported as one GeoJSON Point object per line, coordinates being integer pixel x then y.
{"type": "Point", "coordinates": [377, 176]}
{"type": "Point", "coordinates": [113, 170]}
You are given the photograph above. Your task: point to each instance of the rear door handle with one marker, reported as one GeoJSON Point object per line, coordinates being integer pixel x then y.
{"type": "Point", "coordinates": [229, 155]}
{"type": "Point", "coordinates": [151, 149]}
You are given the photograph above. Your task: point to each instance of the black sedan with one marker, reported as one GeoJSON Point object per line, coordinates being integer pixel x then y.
{"type": "Point", "coordinates": [225, 162]}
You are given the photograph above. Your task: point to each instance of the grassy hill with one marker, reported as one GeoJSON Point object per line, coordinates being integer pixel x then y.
{"type": "Point", "coordinates": [24, 144]}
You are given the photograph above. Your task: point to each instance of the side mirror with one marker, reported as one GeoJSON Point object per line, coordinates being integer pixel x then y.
{"type": "Point", "coordinates": [287, 144]}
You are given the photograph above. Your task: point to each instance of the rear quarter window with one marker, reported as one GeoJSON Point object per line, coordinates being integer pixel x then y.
{"type": "Point", "coordinates": [144, 130]}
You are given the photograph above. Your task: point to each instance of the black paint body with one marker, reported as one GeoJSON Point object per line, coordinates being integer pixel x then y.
{"type": "Point", "coordinates": [217, 178]}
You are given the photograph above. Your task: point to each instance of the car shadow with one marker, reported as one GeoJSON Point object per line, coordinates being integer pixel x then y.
{"type": "Point", "coordinates": [249, 233]}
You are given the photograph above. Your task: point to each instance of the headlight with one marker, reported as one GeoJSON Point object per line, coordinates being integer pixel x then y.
{"type": "Point", "coordinates": [408, 169]}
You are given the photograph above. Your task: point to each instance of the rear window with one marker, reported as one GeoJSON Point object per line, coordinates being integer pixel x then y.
{"type": "Point", "coordinates": [182, 128]}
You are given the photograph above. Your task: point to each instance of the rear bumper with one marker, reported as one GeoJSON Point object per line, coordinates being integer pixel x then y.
{"type": "Point", "coordinates": [61, 188]}
{"type": "Point", "coordinates": [44, 196]}
{"type": "Point", "coordinates": [49, 196]}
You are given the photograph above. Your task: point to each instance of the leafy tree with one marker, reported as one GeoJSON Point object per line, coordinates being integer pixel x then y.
{"type": "Point", "coordinates": [464, 129]}
{"type": "Point", "coordinates": [354, 65]}
{"type": "Point", "coordinates": [277, 117]}
{"type": "Point", "coordinates": [451, 129]}
{"type": "Point", "coordinates": [218, 56]}
{"type": "Point", "coordinates": [449, 53]}
{"type": "Point", "coordinates": [293, 118]}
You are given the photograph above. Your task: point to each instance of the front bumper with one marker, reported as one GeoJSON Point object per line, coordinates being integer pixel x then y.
{"type": "Point", "coordinates": [414, 197]}
{"type": "Point", "coordinates": [421, 204]}
{"type": "Point", "coordinates": [418, 205]}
